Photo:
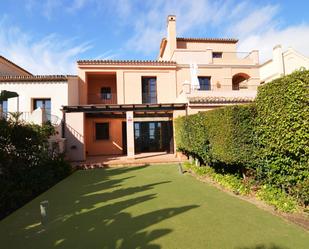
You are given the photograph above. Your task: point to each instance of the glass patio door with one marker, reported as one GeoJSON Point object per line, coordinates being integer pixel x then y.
{"type": "Point", "coordinates": [153, 136]}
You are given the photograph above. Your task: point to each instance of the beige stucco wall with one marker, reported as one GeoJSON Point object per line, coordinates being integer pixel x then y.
{"type": "Point", "coordinates": [132, 82]}
{"type": "Point", "coordinates": [221, 77]}
{"type": "Point", "coordinates": [129, 83]}
{"type": "Point", "coordinates": [75, 136]}
{"type": "Point", "coordinates": [73, 90]}
{"type": "Point", "coordinates": [112, 146]}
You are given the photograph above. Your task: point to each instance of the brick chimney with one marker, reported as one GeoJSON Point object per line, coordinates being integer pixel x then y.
{"type": "Point", "coordinates": [171, 34]}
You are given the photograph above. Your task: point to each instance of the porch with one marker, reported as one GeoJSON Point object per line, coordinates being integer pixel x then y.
{"type": "Point", "coordinates": [138, 160]}
{"type": "Point", "coordinates": [116, 132]}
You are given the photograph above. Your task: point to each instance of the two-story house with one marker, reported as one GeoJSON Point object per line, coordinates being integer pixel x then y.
{"type": "Point", "coordinates": [128, 107]}
{"type": "Point", "coordinates": [124, 107]}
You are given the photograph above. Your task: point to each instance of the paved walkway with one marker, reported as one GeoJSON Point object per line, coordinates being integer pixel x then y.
{"type": "Point", "coordinates": [122, 160]}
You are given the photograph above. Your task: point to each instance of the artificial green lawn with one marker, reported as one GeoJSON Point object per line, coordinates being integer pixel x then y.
{"type": "Point", "coordinates": [145, 207]}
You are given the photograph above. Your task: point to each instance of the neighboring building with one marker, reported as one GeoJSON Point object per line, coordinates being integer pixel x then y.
{"type": "Point", "coordinates": [40, 97]}
{"type": "Point", "coordinates": [282, 63]}
{"type": "Point", "coordinates": [117, 107]}
{"type": "Point", "coordinates": [48, 91]}
{"type": "Point", "coordinates": [7, 67]}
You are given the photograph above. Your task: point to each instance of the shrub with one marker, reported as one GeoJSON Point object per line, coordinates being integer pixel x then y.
{"type": "Point", "coordinates": [223, 136]}
{"type": "Point", "coordinates": [277, 198]}
{"type": "Point", "coordinates": [229, 181]}
{"type": "Point", "coordinates": [283, 135]}
{"type": "Point", "coordinates": [27, 168]}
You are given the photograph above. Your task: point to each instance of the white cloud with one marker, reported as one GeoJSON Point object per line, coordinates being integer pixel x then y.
{"type": "Point", "coordinates": [256, 21]}
{"type": "Point", "coordinates": [256, 26]}
{"type": "Point", "coordinates": [296, 37]}
{"type": "Point", "coordinates": [51, 54]}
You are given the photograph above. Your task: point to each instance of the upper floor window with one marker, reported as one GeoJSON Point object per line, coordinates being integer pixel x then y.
{"type": "Point", "coordinates": [149, 90]}
{"type": "Point", "coordinates": [204, 83]}
{"type": "Point", "coordinates": [44, 104]}
{"type": "Point", "coordinates": [216, 54]}
{"type": "Point", "coordinates": [102, 131]}
{"type": "Point", "coordinates": [106, 93]}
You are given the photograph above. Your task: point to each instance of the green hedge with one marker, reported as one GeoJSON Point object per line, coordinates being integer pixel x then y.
{"type": "Point", "coordinates": [230, 134]}
{"type": "Point", "coordinates": [27, 166]}
{"type": "Point", "coordinates": [282, 127]}
{"type": "Point", "coordinates": [191, 136]}
{"type": "Point", "coordinates": [222, 135]}
{"type": "Point", "coordinates": [270, 136]}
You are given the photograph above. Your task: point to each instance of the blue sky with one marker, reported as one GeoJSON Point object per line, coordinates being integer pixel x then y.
{"type": "Point", "coordinates": [47, 37]}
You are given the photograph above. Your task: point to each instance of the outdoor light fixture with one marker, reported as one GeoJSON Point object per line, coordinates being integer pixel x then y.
{"type": "Point", "coordinates": [43, 209]}
{"type": "Point", "coordinates": [180, 168]}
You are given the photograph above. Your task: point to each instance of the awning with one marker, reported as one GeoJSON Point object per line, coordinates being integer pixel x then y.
{"type": "Point", "coordinates": [4, 95]}
{"type": "Point", "coordinates": [124, 107]}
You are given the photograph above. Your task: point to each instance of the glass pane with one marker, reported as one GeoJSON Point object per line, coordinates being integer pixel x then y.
{"type": "Point", "coordinates": [4, 106]}
{"type": "Point", "coordinates": [37, 104]}
{"type": "Point", "coordinates": [47, 104]}
{"type": "Point", "coordinates": [204, 83]}
{"type": "Point", "coordinates": [149, 90]}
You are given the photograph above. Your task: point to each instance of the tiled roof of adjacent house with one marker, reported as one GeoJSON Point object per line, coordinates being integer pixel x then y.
{"type": "Point", "coordinates": [127, 62]}
{"type": "Point", "coordinates": [219, 100]}
{"type": "Point", "coordinates": [35, 78]}
{"type": "Point", "coordinates": [221, 40]}
{"type": "Point", "coordinates": [15, 65]}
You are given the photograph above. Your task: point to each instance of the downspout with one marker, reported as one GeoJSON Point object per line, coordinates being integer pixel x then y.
{"type": "Point", "coordinates": [63, 124]}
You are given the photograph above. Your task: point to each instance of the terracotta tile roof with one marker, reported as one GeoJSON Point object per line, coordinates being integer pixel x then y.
{"type": "Point", "coordinates": [15, 65]}
{"type": "Point", "coordinates": [127, 62]}
{"type": "Point", "coordinates": [219, 100]}
{"type": "Point", "coordinates": [221, 40]}
{"type": "Point", "coordinates": [35, 78]}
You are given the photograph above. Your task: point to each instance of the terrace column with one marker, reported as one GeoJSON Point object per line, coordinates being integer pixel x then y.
{"type": "Point", "coordinates": [130, 135]}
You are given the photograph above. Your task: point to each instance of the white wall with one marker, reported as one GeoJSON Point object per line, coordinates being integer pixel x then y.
{"type": "Point", "coordinates": [283, 63]}
{"type": "Point", "coordinates": [27, 91]}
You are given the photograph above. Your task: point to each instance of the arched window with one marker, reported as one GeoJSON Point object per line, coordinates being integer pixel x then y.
{"type": "Point", "coordinates": [239, 80]}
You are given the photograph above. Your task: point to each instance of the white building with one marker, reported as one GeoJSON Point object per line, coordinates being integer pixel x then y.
{"type": "Point", "coordinates": [282, 63]}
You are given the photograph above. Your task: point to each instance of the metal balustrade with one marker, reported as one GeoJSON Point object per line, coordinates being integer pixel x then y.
{"type": "Point", "coordinates": [102, 98]}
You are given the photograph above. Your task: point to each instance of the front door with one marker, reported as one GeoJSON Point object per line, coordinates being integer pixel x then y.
{"type": "Point", "coordinates": [153, 136]}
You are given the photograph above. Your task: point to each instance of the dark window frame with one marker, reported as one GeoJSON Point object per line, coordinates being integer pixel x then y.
{"type": "Point", "coordinates": [204, 87]}
{"type": "Point", "coordinates": [217, 55]}
{"type": "Point", "coordinates": [105, 133]}
{"type": "Point", "coordinates": [148, 95]}
{"type": "Point", "coordinates": [34, 105]}
{"type": "Point", "coordinates": [47, 110]}
{"type": "Point", "coordinates": [106, 93]}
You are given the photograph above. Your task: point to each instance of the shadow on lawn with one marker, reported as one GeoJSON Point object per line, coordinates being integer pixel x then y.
{"type": "Point", "coordinates": [95, 216]}
{"type": "Point", "coordinates": [261, 246]}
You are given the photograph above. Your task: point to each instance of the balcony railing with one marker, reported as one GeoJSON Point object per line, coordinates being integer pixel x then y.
{"type": "Point", "coordinates": [102, 98]}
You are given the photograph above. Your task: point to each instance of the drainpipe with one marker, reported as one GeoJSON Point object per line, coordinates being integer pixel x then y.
{"type": "Point", "coordinates": [63, 124]}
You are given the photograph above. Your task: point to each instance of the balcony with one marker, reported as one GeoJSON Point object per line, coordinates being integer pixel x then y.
{"type": "Point", "coordinates": [102, 98]}
{"type": "Point", "coordinates": [204, 57]}
{"type": "Point", "coordinates": [101, 88]}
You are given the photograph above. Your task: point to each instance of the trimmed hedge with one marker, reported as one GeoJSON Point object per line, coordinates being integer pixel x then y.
{"type": "Point", "coordinates": [282, 127]}
{"type": "Point", "coordinates": [192, 137]}
{"type": "Point", "coordinates": [27, 166]}
{"type": "Point", "coordinates": [222, 135]}
{"type": "Point", "coordinates": [271, 136]}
